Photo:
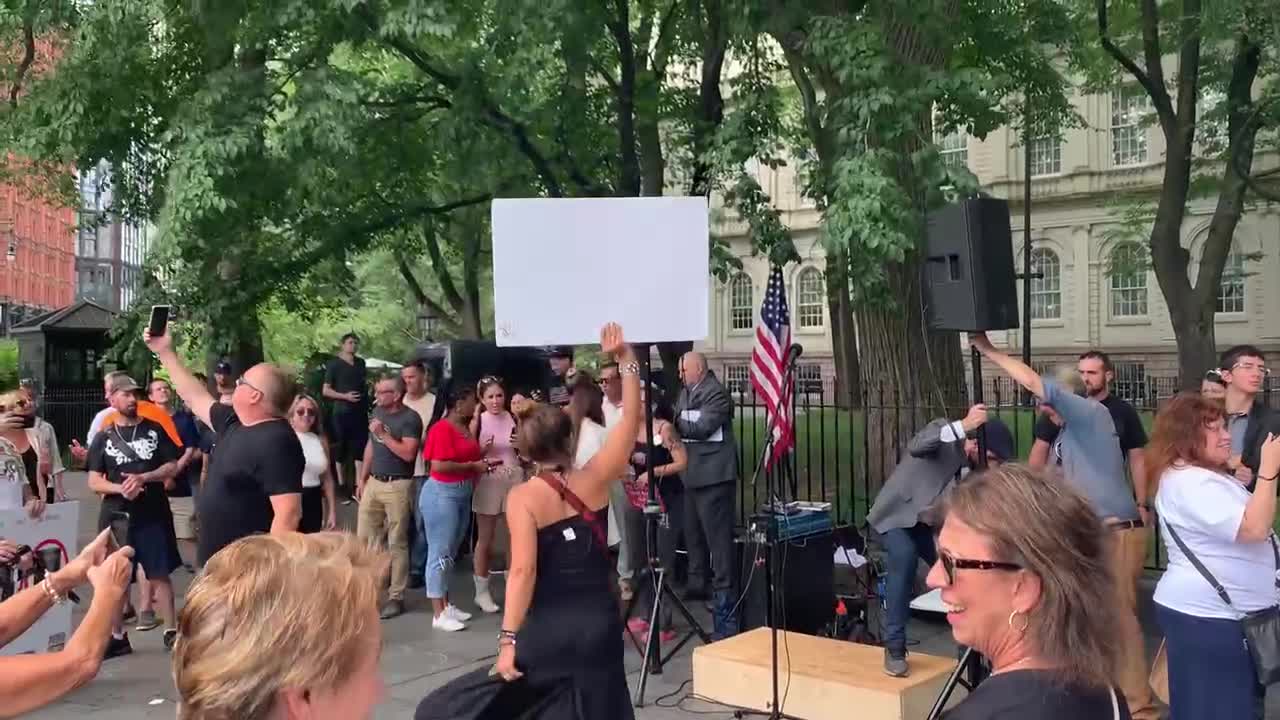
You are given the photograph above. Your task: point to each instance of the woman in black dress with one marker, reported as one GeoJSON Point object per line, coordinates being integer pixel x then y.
{"type": "Point", "coordinates": [560, 651]}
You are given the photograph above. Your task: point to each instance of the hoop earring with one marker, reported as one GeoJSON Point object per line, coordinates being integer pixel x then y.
{"type": "Point", "coordinates": [1026, 621]}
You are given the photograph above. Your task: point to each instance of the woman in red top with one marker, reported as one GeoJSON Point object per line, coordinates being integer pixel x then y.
{"type": "Point", "coordinates": [453, 460]}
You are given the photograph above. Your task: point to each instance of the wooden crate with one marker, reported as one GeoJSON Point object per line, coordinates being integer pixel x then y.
{"type": "Point", "coordinates": [829, 679]}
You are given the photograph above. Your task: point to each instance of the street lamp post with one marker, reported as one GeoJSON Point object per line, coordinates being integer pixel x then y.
{"type": "Point", "coordinates": [426, 323]}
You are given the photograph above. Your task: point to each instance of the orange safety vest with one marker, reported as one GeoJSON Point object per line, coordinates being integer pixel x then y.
{"type": "Point", "coordinates": [154, 413]}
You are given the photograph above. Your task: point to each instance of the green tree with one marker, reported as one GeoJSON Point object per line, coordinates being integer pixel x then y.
{"type": "Point", "coordinates": [875, 79]}
{"type": "Point", "coordinates": [1213, 123]}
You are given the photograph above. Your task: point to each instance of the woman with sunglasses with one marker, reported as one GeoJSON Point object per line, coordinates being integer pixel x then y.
{"type": "Point", "coordinates": [494, 427]}
{"type": "Point", "coordinates": [21, 484]}
{"type": "Point", "coordinates": [1024, 577]}
{"type": "Point", "coordinates": [319, 496]}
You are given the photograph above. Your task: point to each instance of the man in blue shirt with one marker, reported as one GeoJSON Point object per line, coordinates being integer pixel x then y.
{"type": "Point", "coordinates": [187, 480]}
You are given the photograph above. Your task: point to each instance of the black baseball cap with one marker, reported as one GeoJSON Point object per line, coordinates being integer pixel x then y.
{"type": "Point", "coordinates": [561, 351]}
{"type": "Point", "coordinates": [222, 368]}
{"type": "Point", "coordinates": [999, 439]}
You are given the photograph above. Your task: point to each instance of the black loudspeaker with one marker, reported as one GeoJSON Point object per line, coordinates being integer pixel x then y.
{"type": "Point", "coordinates": [969, 276]}
{"type": "Point", "coordinates": [805, 570]}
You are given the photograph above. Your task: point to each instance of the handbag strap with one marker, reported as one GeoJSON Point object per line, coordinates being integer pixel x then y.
{"type": "Point", "coordinates": [1115, 704]}
{"type": "Point", "coordinates": [1204, 571]}
{"type": "Point", "coordinates": [575, 502]}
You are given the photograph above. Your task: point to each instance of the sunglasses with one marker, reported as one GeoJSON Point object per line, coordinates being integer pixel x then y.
{"type": "Point", "coordinates": [951, 563]}
{"type": "Point", "coordinates": [304, 412]}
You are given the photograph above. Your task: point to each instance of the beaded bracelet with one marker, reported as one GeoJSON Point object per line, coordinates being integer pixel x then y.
{"type": "Point", "coordinates": [52, 594]}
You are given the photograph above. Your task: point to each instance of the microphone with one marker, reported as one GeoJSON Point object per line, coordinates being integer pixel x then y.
{"type": "Point", "coordinates": [794, 352]}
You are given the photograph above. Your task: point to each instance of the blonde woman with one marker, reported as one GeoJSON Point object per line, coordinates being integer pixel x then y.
{"type": "Point", "coordinates": [319, 496]}
{"type": "Point", "coordinates": [318, 657]}
{"type": "Point", "coordinates": [1022, 565]}
{"type": "Point", "coordinates": [21, 484]}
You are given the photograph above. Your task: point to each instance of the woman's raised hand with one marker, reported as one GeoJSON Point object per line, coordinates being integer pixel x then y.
{"type": "Point", "coordinates": [611, 341]}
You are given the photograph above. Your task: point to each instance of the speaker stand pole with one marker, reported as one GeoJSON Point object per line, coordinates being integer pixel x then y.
{"type": "Point", "coordinates": [971, 669]}
{"type": "Point", "coordinates": [769, 539]}
{"type": "Point", "coordinates": [652, 662]}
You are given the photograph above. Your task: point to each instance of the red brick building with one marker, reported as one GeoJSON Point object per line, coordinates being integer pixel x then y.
{"type": "Point", "coordinates": [37, 256]}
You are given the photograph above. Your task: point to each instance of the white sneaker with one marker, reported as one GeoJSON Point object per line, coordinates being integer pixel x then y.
{"type": "Point", "coordinates": [446, 622]}
{"type": "Point", "coordinates": [483, 598]}
{"type": "Point", "coordinates": [453, 612]}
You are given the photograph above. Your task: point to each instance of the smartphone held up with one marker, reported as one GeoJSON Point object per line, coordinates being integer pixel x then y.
{"type": "Point", "coordinates": [159, 324]}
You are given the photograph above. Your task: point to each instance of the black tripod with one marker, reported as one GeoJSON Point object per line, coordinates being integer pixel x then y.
{"type": "Point", "coordinates": [972, 667]}
{"type": "Point", "coordinates": [768, 534]}
{"type": "Point", "coordinates": [660, 588]}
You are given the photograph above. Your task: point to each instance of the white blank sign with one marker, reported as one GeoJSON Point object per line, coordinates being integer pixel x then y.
{"type": "Point", "coordinates": [562, 268]}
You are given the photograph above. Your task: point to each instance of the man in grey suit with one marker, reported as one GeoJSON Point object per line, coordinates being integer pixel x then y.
{"type": "Point", "coordinates": [938, 455]}
{"type": "Point", "coordinates": [704, 417]}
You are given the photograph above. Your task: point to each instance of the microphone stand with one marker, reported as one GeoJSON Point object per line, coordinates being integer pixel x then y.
{"type": "Point", "coordinates": [768, 538]}
{"type": "Point", "coordinates": [652, 661]}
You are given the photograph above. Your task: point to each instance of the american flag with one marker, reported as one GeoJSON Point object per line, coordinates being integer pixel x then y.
{"type": "Point", "coordinates": [768, 364]}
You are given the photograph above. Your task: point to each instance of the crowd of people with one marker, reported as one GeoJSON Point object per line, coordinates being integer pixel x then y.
{"type": "Point", "coordinates": [1037, 563]}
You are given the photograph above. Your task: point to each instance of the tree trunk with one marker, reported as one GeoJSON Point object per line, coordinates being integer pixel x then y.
{"type": "Point", "coordinates": [844, 337]}
{"type": "Point", "coordinates": [910, 375]}
{"type": "Point", "coordinates": [1193, 332]}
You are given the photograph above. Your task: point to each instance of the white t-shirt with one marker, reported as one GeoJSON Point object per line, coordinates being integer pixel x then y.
{"type": "Point", "coordinates": [1206, 508]}
{"type": "Point", "coordinates": [591, 437]}
{"type": "Point", "coordinates": [424, 406]}
{"type": "Point", "coordinates": [316, 459]}
{"type": "Point", "coordinates": [13, 477]}
{"type": "Point", "coordinates": [612, 413]}
{"type": "Point", "coordinates": [95, 427]}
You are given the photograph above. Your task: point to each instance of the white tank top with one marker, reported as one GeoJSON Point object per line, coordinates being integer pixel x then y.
{"type": "Point", "coordinates": [317, 461]}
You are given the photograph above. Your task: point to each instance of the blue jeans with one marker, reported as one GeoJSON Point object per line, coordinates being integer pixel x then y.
{"type": "Point", "coordinates": [905, 548]}
{"type": "Point", "coordinates": [446, 510]}
{"type": "Point", "coordinates": [1211, 674]}
{"type": "Point", "coordinates": [418, 532]}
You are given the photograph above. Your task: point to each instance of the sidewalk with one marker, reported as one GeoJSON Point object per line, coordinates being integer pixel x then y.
{"type": "Point", "coordinates": [415, 660]}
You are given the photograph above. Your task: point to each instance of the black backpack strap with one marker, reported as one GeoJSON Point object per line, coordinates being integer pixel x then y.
{"type": "Point", "coordinates": [125, 448]}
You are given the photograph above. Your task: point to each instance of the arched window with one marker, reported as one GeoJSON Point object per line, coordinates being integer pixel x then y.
{"type": "Point", "coordinates": [1231, 288]}
{"type": "Point", "coordinates": [741, 303]}
{"type": "Point", "coordinates": [1046, 291]}
{"type": "Point", "coordinates": [811, 296]}
{"type": "Point", "coordinates": [1128, 281]}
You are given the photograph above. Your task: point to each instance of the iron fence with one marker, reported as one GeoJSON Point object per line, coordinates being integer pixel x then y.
{"type": "Point", "coordinates": [70, 410]}
{"type": "Point", "coordinates": [846, 447]}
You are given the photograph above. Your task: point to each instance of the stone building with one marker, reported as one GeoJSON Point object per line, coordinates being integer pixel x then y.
{"type": "Point", "coordinates": [1095, 292]}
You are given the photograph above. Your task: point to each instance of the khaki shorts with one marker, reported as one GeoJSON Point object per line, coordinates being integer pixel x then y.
{"type": "Point", "coordinates": [184, 517]}
{"type": "Point", "coordinates": [491, 488]}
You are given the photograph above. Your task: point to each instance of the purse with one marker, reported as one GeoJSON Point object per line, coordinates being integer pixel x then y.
{"type": "Point", "coordinates": [1261, 627]}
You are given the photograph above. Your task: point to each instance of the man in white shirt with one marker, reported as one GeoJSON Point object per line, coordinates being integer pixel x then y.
{"type": "Point", "coordinates": [80, 453]}
{"type": "Point", "coordinates": [611, 386]}
{"type": "Point", "coordinates": [417, 378]}
{"type": "Point", "coordinates": [619, 507]}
